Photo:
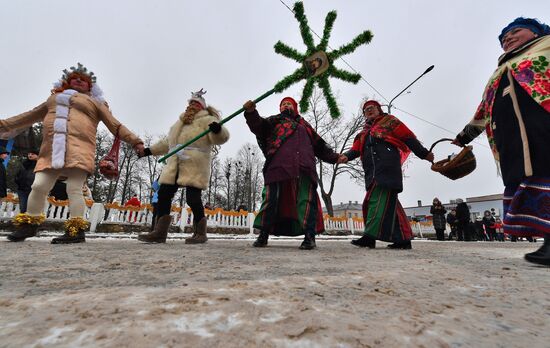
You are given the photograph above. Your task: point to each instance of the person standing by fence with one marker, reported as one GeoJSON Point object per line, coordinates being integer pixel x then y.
{"type": "Point", "coordinates": [24, 179]}
{"type": "Point", "coordinates": [438, 212]}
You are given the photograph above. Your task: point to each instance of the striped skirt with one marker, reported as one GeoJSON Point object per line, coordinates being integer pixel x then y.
{"type": "Point", "coordinates": [384, 217]}
{"type": "Point", "coordinates": [290, 208]}
{"type": "Point", "coordinates": [527, 208]}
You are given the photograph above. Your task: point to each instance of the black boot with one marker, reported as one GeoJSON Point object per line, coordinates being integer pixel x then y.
{"type": "Point", "coordinates": [541, 256]}
{"type": "Point", "coordinates": [261, 241]}
{"type": "Point", "coordinates": [22, 232]}
{"type": "Point", "coordinates": [69, 238]}
{"type": "Point", "coordinates": [26, 226]}
{"type": "Point", "coordinates": [365, 242]}
{"type": "Point", "coordinates": [74, 231]}
{"type": "Point", "coordinates": [401, 245]}
{"type": "Point", "coordinates": [309, 241]}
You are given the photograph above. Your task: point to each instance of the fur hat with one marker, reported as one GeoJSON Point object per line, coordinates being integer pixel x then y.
{"type": "Point", "coordinates": [292, 101]}
{"type": "Point", "coordinates": [198, 97]}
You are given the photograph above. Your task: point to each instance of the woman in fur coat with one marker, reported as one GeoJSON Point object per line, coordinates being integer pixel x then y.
{"type": "Point", "coordinates": [70, 117]}
{"type": "Point", "coordinates": [189, 167]}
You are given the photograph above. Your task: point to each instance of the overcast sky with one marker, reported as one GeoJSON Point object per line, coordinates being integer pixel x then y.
{"type": "Point", "coordinates": [149, 55]}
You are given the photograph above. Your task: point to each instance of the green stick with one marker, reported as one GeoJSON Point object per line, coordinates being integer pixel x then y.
{"type": "Point", "coordinates": [182, 146]}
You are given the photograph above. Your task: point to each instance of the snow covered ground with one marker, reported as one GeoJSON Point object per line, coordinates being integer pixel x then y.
{"type": "Point", "coordinates": [116, 292]}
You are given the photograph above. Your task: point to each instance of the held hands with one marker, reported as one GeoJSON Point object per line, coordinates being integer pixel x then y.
{"type": "Point", "coordinates": [139, 149]}
{"type": "Point", "coordinates": [249, 106]}
{"type": "Point", "coordinates": [457, 142]}
{"type": "Point", "coordinates": [215, 127]}
{"type": "Point", "coordinates": [342, 159]}
{"type": "Point", "coordinates": [429, 157]}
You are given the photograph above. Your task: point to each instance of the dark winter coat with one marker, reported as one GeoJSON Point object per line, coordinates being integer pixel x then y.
{"type": "Point", "coordinates": [382, 160]}
{"type": "Point", "coordinates": [452, 220]}
{"type": "Point", "coordinates": [438, 216]}
{"type": "Point", "coordinates": [25, 176]}
{"type": "Point", "coordinates": [3, 180]}
{"type": "Point", "coordinates": [296, 155]}
{"type": "Point", "coordinates": [462, 214]}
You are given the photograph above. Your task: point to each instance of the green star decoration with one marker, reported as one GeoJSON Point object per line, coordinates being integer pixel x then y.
{"type": "Point", "coordinates": [322, 79]}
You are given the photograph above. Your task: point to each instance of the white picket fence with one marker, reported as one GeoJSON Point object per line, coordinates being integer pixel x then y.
{"type": "Point", "coordinates": [216, 218]}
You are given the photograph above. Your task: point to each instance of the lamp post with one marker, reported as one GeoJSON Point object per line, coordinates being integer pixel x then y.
{"type": "Point", "coordinates": [410, 84]}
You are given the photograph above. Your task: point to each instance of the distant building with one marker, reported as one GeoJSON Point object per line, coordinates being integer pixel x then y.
{"type": "Point", "coordinates": [349, 210]}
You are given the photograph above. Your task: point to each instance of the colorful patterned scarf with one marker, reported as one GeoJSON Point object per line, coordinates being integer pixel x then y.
{"type": "Point", "coordinates": [387, 128]}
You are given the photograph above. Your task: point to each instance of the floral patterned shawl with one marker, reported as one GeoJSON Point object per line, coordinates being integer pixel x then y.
{"type": "Point", "coordinates": [531, 69]}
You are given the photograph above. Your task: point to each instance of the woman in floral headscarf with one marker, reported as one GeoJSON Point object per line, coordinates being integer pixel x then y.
{"type": "Point", "coordinates": [515, 113]}
{"type": "Point", "coordinates": [383, 145]}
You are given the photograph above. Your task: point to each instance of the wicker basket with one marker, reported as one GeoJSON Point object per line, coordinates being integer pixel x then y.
{"type": "Point", "coordinates": [461, 165]}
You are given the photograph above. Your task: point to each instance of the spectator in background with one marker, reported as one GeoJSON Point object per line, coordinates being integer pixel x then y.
{"type": "Point", "coordinates": [499, 231]}
{"type": "Point", "coordinates": [488, 225]}
{"type": "Point", "coordinates": [24, 179]}
{"type": "Point", "coordinates": [3, 182]}
{"type": "Point", "coordinates": [154, 202]}
{"type": "Point", "coordinates": [452, 221]}
{"type": "Point", "coordinates": [438, 217]}
{"type": "Point", "coordinates": [133, 202]}
{"type": "Point", "coordinates": [463, 220]}
{"type": "Point", "coordinates": [479, 230]}
{"type": "Point", "coordinates": [59, 193]}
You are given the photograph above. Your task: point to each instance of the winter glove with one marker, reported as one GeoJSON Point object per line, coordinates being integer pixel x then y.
{"type": "Point", "coordinates": [146, 152]}
{"type": "Point", "coordinates": [215, 127]}
{"type": "Point", "coordinates": [249, 106]}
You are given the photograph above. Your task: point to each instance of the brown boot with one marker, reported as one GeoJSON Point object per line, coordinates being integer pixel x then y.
{"type": "Point", "coordinates": [159, 233]}
{"type": "Point", "coordinates": [199, 233]}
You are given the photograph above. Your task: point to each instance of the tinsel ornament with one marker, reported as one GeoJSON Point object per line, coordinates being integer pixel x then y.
{"type": "Point", "coordinates": [312, 73]}
{"type": "Point", "coordinates": [75, 224]}
{"type": "Point", "coordinates": [26, 219]}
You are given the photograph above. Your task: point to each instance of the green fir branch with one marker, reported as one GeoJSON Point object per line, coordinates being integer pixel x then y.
{"type": "Point", "coordinates": [329, 22]}
{"type": "Point", "coordinates": [289, 52]}
{"type": "Point", "coordinates": [304, 27]}
{"type": "Point", "coordinates": [363, 38]}
{"type": "Point", "coordinates": [331, 102]}
{"type": "Point", "coordinates": [306, 94]}
{"type": "Point", "coordinates": [289, 80]}
{"type": "Point", "coordinates": [343, 75]}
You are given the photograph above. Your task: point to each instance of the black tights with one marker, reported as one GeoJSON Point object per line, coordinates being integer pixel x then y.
{"type": "Point", "coordinates": [192, 195]}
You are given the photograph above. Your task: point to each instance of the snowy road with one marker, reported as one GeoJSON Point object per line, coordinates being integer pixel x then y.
{"type": "Point", "coordinates": [108, 293]}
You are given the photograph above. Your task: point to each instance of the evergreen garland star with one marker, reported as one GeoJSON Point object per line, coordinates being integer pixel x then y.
{"type": "Point", "coordinates": [321, 80]}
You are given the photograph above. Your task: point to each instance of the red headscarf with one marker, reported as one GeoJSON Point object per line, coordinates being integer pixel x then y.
{"type": "Point", "coordinates": [375, 103]}
{"type": "Point", "coordinates": [292, 101]}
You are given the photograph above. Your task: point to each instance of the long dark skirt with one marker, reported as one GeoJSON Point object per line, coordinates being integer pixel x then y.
{"type": "Point", "coordinates": [527, 208]}
{"type": "Point", "coordinates": [290, 208]}
{"type": "Point", "coordinates": [384, 217]}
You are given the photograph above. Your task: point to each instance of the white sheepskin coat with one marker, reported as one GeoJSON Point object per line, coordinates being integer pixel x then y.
{"type": "Point", "coordinates": [191, 166]}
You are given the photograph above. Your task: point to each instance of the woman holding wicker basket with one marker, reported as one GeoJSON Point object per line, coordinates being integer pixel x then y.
{"type": "Point", "coordinates": [383, 145]}
{"type": "Point", "coordinates": [515, 113]}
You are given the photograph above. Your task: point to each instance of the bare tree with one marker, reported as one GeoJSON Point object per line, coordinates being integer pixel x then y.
{"type": "Point", "coordinates": [339, 135]}
{"type": "Point", "coordinates": [250, 163]}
